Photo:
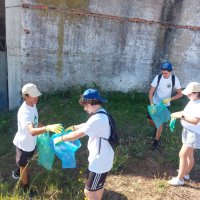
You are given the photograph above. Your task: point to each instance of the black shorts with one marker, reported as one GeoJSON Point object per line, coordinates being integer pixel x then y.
{"type": "Point", "coordinates": [23, 157]}
{"type": "Point", "coordinates": [95, 181]}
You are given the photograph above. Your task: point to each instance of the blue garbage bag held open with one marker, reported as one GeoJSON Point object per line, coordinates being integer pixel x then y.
{"type": "Point", "coordinates": [45, 153]}
{"type": "Point", "coordinates": [65, 151]}
{"type": "Point", "coordinates": [159, 114]}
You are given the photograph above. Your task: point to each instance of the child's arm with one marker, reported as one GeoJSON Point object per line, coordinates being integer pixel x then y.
{"type": "Point", "coordinates": [56, 128]}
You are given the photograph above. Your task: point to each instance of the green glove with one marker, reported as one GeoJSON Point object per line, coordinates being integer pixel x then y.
{"type": "Point", "coordinates": [172, 124]}
{"type": "Point", "coordinates": [58, 140]}
{"type": "Point", "coordinates": [70, 128]}
{"type": "Point", "coordinates": [56, 128]}
{"type": "Point", "coordinates": [166, 101]}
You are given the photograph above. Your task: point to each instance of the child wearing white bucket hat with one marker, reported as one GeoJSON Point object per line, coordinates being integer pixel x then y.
{"type": "Point", "coordinates": [190, 120]}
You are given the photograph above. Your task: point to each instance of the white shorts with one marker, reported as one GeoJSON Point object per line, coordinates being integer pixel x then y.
{"type": "Point", "coordinates": [191, 139]}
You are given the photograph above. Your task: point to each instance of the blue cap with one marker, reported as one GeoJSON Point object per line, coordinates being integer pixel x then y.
{"type": "Point", "coordinates": [166, 66]}
{"type": "Point", "coordinates": [93, 94]}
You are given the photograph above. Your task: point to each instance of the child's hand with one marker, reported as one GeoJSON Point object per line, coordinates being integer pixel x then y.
{"type": "Point", "coordinates": [176, 115]}
{"type": "Point", "coordinates": [166, 101]}
{"type": "Point", "coordinates": [56, 128]}
{"type": "Point", "coordinates": [57, 140]}
{"type": "Point", "coordinates": [152, 109]}
{"type": "Point", "coordinates": [70, 128]}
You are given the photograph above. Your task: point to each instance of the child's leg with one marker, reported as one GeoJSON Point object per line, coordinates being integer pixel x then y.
{"type": "Point", "coordinates": [100, 193]}
{"type": "Point", "coordinates": [94, 186]}
{"type": "Point", "coordinates": [93, 195]}
{"type": "Point", "coordinates": [24, 175]}
{"type": "Point", "coordinates": [190, 160]}
{"type": "Point", "coordinates": [16, 171]}
{"type": "Point", "coordinates": [156, 143]}
{"type": "Point", "coordinates": [23, 161]}
{"type": "Point", "coordinates": [184, 165]}
{"type": "Point", "coordinates": [158, 132]}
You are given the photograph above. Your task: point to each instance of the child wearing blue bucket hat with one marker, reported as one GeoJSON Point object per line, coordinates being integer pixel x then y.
{"type": "Point", "coordinates": [101, 154]}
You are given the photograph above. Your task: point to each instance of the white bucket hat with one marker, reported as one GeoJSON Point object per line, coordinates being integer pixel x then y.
{"type": "Point", "coordinates": [191, 87]}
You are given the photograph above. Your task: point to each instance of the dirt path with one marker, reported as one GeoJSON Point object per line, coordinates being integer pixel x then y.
{"type": "Point", "coordinates": [145, 180]}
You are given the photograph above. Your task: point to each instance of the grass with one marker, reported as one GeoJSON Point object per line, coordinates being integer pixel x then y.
{"type": "Point", "coordinates": [129, 111]}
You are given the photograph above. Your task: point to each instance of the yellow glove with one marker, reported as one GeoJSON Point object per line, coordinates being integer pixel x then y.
{"type": "Point", "coordinates": [70, 128]}
{"type": "Point", "coordinates": [166, 101]}
{"type": "Point", "coordinates": [56, 128]}
{"type": "Point", "coordinates": [58, 140]}
{"type": "Point", "coordinates": [152, 109]}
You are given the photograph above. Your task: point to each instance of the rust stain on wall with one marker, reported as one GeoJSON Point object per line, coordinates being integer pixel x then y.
{"type": "Point", "coordinates": [60, 39]}
{"type": "Point", "coordinates": [78, 4]}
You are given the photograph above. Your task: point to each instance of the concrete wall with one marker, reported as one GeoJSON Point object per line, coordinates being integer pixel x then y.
{"type": "Point", "coordinates": [118, 45]}
{"type": "Point", "coordinates": [13, 41]}
{"type": "Point", "coordinates": [2, 26]}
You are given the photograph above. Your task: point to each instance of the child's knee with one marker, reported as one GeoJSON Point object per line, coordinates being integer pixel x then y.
{"type": "Point", "coordinates": [86, 192]}
{"type": "Point", "coordinates": [90, 194]}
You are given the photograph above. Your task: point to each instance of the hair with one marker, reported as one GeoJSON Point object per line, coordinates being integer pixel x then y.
{"type": "Point", "coordinates": [198, 95]}
{"type": "Point", "coordinates": [24, 96]}
{"type": "Point", "coordinates": [83, 101]}
{"type": "Point", "coordinates": [166, 70]}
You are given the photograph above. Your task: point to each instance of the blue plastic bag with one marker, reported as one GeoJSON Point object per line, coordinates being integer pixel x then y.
{"type": "Point", "coordinates": [65, 151]}
{"type": "Point", "coordinates": [45, 154]}
{"type": "Point", "coordinates": [159, 114]}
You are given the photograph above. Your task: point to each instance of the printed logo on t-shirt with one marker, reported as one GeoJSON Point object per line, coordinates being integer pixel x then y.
{"type": "Point", "coordinates": [35, 122]}
{"type": "Point", "coordinates": [168, 85]}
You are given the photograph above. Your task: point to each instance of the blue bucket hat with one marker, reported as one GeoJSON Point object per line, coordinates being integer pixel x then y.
{"type": "Point", "coordinates": [93, 94]}
{"type": "Point", "coordinates": [166, 66]}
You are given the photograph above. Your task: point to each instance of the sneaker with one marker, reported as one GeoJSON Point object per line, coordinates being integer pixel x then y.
{"type": "Point", "coordinates": [186, 177]}
{"type": "Point", "coordinates": [155, 145]}
{"type": "Point", "coordinates": [15, 175]}
{"type": "Point", "coordinates": [25, 188]}
{"type": "Point", "coordinates": [29, 191]}
{"type": "Point", "coordinates": [154, 134]}
{"type": "Point", "coordinates": [176, 181]}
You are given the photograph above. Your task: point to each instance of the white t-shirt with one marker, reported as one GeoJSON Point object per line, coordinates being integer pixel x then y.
{"type": "Point", "coordinates": [23, 138]}
{"type": "Point", "coordinates": [192, 109]}
{"type": "Point", "coordinates": [164, 88]}
{"type": "Point", "coordinates": [98, 126]}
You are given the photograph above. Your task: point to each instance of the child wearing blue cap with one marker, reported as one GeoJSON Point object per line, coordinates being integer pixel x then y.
{"type": "Point", "coordinates": [101, 154]}
{"type": "Point", "coordinates": [161, 92]}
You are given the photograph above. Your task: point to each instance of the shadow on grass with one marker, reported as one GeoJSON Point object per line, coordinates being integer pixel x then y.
{"type": "Point", "coordinates": [111, 195]}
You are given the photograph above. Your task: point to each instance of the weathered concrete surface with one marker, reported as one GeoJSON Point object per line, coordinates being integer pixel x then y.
{"type": "Point", "coordinates": [13, 38]}
{"type": "Point", "coordinates": [101, 42]}
{"type": "Point", "coordinates": [2, 26]}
